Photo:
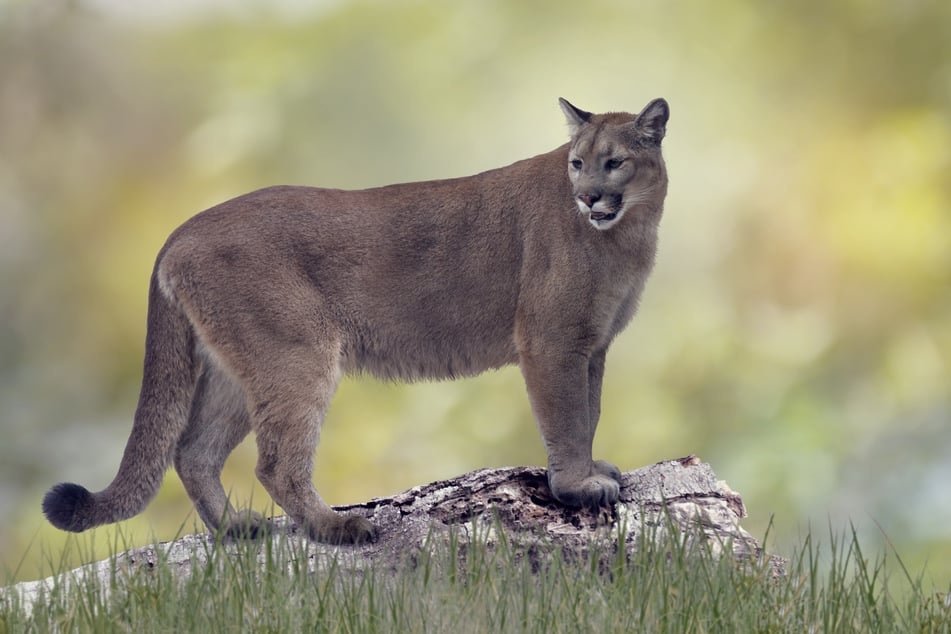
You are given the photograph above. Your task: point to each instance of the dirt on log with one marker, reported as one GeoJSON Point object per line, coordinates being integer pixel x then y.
{"type": "Point", "coordinates": [682, 494]}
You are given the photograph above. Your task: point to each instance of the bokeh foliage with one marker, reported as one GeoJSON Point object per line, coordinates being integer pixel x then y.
{"type": "Point", "coordinates": [797, 330]}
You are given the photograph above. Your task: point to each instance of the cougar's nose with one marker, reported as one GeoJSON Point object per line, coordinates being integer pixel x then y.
{"type": "Point", "coordinates": [589, 199]}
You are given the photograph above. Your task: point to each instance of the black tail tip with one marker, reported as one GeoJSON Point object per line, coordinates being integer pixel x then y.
{"type": "Point", "coordinates": [65, 506]}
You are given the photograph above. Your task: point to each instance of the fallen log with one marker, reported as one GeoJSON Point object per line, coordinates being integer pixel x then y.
{"type": "Point", "coordinates": [513, 504]}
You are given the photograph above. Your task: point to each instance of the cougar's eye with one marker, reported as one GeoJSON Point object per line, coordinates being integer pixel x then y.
{"type": "Point", "coordinates": [613, 164]}
{"type": "Point", "coordinates": [576, 164]}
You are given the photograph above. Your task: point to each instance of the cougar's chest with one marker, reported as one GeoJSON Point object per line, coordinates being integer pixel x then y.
{"type": "Point", "coordinates": [619, 287]}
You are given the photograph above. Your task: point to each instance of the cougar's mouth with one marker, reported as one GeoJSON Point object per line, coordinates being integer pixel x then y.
{"type": "Point", "coordinates": [598, 216]}
{"type": "Point", "coordinates": [604, 220]}
{"type": "Point", "coordinates": [603, 216]}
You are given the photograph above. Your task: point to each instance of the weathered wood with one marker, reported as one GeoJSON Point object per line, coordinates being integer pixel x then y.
{"type": "Point", "coordinates": [683, 493]}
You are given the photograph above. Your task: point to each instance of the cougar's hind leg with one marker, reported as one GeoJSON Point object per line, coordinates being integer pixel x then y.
{"type": "Point", "coordinates": [218, 422]}
{"type": "Point", "coordinates": [277, 339]}
{"type": "Point", "coordinates": [288, 404]}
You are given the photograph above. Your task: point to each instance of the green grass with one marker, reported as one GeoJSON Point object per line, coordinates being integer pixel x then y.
{"type": "Point", "coordinates": [501, 588]}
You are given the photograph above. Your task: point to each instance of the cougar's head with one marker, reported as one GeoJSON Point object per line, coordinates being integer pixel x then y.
{"type": "Point", "coordinates": [615, 162]}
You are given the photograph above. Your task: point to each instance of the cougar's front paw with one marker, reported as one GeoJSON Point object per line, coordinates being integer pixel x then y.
{"type": "Point", "coordinates": [605, 468]}
{"type": "Point", "coordinates": [595, 491]}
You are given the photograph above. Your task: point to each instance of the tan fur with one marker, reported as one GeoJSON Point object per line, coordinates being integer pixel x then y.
{"type": "Point", "coordinates": [259, 305]}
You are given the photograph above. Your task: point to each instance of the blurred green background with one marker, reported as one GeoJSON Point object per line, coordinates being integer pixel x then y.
{"type": "Point", "coordinates": [796, 333]}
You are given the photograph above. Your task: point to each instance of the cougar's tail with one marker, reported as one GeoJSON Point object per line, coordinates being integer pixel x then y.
{"type": "Point", "coordinates": [168, 385]}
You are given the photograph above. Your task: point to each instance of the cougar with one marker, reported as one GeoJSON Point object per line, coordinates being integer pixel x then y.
{"type": "Point", "coordinates": [259, 305]}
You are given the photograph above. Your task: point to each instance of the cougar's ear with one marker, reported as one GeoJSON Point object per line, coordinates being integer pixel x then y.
{"type": "Point", "coordinates": [575, 116]}
{"type": "Point", "coordinates": [652, 121]}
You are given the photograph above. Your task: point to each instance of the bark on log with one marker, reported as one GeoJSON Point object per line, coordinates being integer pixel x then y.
{"type": "Point", "coordinates": [683, 493]}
